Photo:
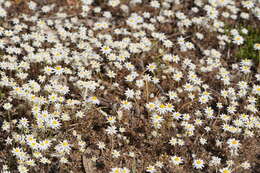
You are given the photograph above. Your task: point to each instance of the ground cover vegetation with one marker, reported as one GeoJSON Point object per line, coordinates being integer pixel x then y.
{"type": "Point", "coordinates": [129, 86]}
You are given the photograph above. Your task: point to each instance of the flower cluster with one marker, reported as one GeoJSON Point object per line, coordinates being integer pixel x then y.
{"type": "Point", "coordinates": [139, 86]}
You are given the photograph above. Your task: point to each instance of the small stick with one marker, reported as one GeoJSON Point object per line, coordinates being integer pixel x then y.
{"type": "Point", "coordinates": [147, 91]}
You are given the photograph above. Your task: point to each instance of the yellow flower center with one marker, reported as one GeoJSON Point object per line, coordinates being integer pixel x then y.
{"type": "Point", "coordinates": [234, 142]}
{"type": "Point", "coordinates": [58, 68]}
{"type": "Point", "coordinates": [177, 159]}
{"type": "Point", "coordinates": [226, 171]}
{"type": "Point", "coordinates": [198, 162]}
{"type": "Point", "coordinates": [162, 106]}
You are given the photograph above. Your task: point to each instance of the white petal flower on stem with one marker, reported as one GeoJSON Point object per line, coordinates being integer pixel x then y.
{"type": "Point", "coordinates": [198, 164]}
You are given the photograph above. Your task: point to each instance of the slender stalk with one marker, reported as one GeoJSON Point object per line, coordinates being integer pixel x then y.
{"type": "Point", "coordinates": [147, 91]}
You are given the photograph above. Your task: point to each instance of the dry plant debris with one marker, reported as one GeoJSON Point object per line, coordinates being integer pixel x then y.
{"type": "Point", "coordinates": [129, 86]}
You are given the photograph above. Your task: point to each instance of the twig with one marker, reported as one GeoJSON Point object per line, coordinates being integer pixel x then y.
{"type": "Point", "coordinates": [160, 88]}
{"type": "Point", "coordinates": [184, 105]}
{"type": "Point", "coordinates": [228, 55]}
{"type": "Point", "coordinates": [147, 91]}
{"type": "Point", "coordinates": [198, 45]}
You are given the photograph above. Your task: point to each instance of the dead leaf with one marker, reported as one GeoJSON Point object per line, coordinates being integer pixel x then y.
{"type": "Point", "coordinates": [177, 7]}
{"type": "Point", "coordinates": [18, 1]}
{"type": "Point", "coordinates": [88, 165]}
{"type": "Point", "coordinates": [73, 3]}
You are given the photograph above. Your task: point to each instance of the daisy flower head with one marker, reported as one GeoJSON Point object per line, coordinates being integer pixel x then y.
{"type": "Point", "coordinates": [52, 98]}
{"type": "Point", "coordinates": [198, 164]}
{"type": "Point", "coordinates": [243, 85]}
{"type": "Point", "coordinates": [107, 14]}
{"type": "Point", "coordinates": [246, 165]}
{"type": "Point", "coordinates": [177, 115]}
{"type": "Point", "coordinates": [111, 130]}
{"type": "Point", "coordinates": [169, 107]}
{"type": "Point", "coordinates": [113, 3]}
{"type": "Point", "coordinates": [161, 108]}
{"type": "Point", "coordinates": [151, 67]}
{"type": "Point", "coordinates": [87, 2]}
{"type": "Point", "coordinates": [244, 16]}
{"type": "Point", "coordinates": [159, 164]}
{"type": "Point", "coordinates": [246, 62]}
{"type": "Point", "coordinates": [44, 160]}
{"type": "Point", "coordinates": [106, 50]}
{"type": "Point", "coordinates": [21, 155]}
{"type": "Point", "coordinates": [167, 57]}
{"type": "Point", "coordinates": [22, 169]}
{"type": "Point", "coordinates": [119, 170]}
{"type": "Point", "coordinates": [176, 160]}
{"type": "Point", "coordinates": [63, 147]}
{"type": "Point", "coordinates": [222, 2]}
{"type": "Point", "coordinates": [129, 93]}
{"type": "Point", "coordinates": [37, 154]}
{"type": "Point", "coordinates": [167, 43]}
{"type": "Point", "coordinates": [126, 104]}
{"type": "Point", "coordinates": [199, 36]}
{"type": "Point", "coordinates": [46, 9]}
{"type": "Point", "coordinates": [134, 20]}
{"type": "Point", "coordinates": [150, 106]}
{"type": "Point", "coordinates": [172, 95]}
{"type": "Point", "coordinates": [16, 151]}
{"type": "Point", "coordinates": [111, 74]}
{"type": "Point", "coordinates": [151, 169]}
{"type": "Point", "coordinates": [58, 70]}
{"type": "Point", "coordinates": [93, 100]}
{"type": "Point", "coordinates": [257, 46]}
{"type": "Point", "coordinates": [125, 170]}
{"type": "Point", "coordinates": [129, 66]}
{"type": "Point", "coordinates": [63, 160]}
{"type": "Point", "coordinates": [54, 123]}
{"type": "Point", "coordinates": [173, 141]}
{"type": "Point", "coordinates": [203, 141]}
{"type": "Point", "coordinates": [248, 4]}
{"type": "Point", "coordinates": [244, 31]}
{"type": "Point", "coordinates": [115, 170]}
{"type": "Point", "coordinates": [233, 143]}
{"type": "Point", "coordinates": [215, 161]}
{"type": "Point", "coordinates": [234, 32]}
{"type": "Point", "coordinates": [225, 170]}
{"type": "Point", "coordinates": [3, 12]}
{"type": "Point", "coordinates": [245, 69]}
{"type": "Point", "coordinates": [189, 45]}
{"type": "Point", "coordinates": [212, 13]}
{"type": "Point", "coordinates": [178, 76]}
{"type": "Point", "coordinates": [32, 5]}
{"type": "Point", "coordinates": [157, 118]}
{"type": "Point", "coordinates": [238, 40]}
{"type": "Point", "coordinates": [101, 145]}
{"type": "Point", "coordinates": [155, 4]}
{"type": "Point", "coordinates": [7, 106]}
{"type": "Point", "coordinates": [111, 119]}
{"type": "Point", "coordinates": [115, 154]}
{"type": "Point", "coordinates": [45, 144]}
{"type": "Point", "coordinates": [24, 122]}
{"type": "Point", "coordinates": [48, 70]}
